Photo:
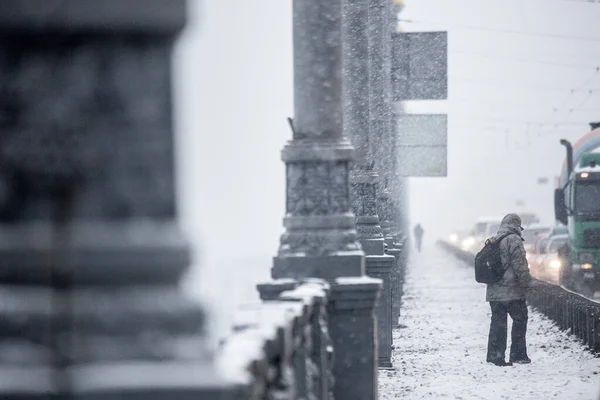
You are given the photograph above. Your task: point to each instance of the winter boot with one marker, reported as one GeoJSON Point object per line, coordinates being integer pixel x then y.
{"type": "Point", "coordinates": [501, 363]}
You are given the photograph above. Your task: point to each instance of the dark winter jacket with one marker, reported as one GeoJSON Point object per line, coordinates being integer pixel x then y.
{"type": "Point", "coordinates": [418, 231]}
{"type": "Point", "coordinates": [517, 279]}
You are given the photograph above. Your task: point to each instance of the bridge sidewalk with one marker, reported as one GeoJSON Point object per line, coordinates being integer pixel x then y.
{"type": "Point", "coordinates": [441, 352]}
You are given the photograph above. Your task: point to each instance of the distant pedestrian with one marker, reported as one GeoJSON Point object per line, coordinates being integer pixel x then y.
{"type": "Point", "coordinates": [507, 296]}
{"type": "Point", "coordinates": [418, 232]}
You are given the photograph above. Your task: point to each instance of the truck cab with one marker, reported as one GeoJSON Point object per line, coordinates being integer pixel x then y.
{"type": "Point", "coordinates": [577, 205]}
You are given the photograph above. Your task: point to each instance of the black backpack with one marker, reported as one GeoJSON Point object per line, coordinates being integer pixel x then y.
{"type": "Point", "coordinates": [488, 266]}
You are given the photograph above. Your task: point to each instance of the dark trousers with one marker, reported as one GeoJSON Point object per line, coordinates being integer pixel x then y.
{"type": "Point", "coordinates": [419, 243]}
{"type": "Point", "coordinates": [497, 339]}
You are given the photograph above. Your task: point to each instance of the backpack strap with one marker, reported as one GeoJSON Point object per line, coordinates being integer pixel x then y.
{"type": "Point", "coordinates": [498, 241]}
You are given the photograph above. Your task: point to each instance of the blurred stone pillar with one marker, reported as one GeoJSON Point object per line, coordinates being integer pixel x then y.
{"type": "Point", "coordinates": [90, 249]}
{"type": "Point", "coordinates": [363, 177]}
{"type": "Point", "coordinates": [320, 238]}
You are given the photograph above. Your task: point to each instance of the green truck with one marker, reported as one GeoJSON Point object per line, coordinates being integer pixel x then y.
{"type": "Point", "coordinates": [577, 205]}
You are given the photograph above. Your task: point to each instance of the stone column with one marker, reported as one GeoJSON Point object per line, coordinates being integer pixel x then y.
{"type": "Point", "coordinates": [398, 184]}
{"type": "Point", "coordinates": [364, 179]}
{"type": "Point", "coordinates": [90, 249]}
{"type": "Point", "coordinates": [357, 106]}
{"type": "Point", "coordinates": [380, 107]}
{"type": "Point", "coordinates": [388, 199]}
{"type": "Point", "coordinates": [320, 238]}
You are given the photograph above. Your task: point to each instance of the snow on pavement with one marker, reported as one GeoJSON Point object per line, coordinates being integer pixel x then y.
{"type": "Point", "coordinates": [441, 352]}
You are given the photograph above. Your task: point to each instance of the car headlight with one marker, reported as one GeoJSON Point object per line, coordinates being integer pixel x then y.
{"type": "Point", "coordinates": [555, 264]}
{"type": "Point", "coordinates": [468, 242]}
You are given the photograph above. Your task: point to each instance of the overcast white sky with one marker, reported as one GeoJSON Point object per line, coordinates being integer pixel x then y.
{"type": "Point", "coordinates": [512, 67]}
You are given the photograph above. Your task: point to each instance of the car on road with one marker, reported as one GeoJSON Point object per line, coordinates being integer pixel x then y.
{"type": "Point", "coordinates": [551, 263]}
{"type": "Point", "coordinates": [532, 234]}
{"type": "Point", "coordinates": [535, 254]}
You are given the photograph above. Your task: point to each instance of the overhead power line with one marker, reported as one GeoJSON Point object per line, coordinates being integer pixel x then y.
{"type": "Point", "coordinates": [519, 85]}
{"type": "Point", "coordinates": [523, 60]}
{"type": "Point", "coordinates": [532, 123]}
{"type": "Point", "coordinates": [580, 88]}
{"type": "Point", "coordinates": [502, 30]}
{"type": "Point", "coordinates": [586, 109]}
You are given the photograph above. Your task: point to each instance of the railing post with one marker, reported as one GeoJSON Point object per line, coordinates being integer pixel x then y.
{"type": "Point", "coordinates": [578, 319]}
{"type": "Point", "coordinates": [303, 351]}
{"type": "Point", "coordinates": [590, 327]}
{"type": "Point", "coordinates": [596, 347]}
{"type": "Point", "coordinates": [353, 307]}
{"type": "Point", "coordinates": [89, 236]}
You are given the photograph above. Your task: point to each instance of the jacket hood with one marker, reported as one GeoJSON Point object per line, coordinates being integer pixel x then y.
{"type": "Point", "coordinates": [511, 223]}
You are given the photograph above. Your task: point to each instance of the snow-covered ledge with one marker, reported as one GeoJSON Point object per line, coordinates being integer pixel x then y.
{"type": "Point", "coordinates": [281, 348]}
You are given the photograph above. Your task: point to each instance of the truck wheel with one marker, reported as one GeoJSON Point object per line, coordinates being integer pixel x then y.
{"type": "Point", "coordinates": [583, 289]}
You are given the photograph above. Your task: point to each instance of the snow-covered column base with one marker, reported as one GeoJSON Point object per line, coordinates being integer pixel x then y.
{"type": "Point", "coordinates": [320, 240]}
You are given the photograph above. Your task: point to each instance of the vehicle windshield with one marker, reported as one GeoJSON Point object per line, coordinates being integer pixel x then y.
{"type": "Point", "coordinates": [556, 244]}
{"type": "Point", "coordinates": [530, 234]}
{"type": "Point", "coordinates": [587, 197]}
{"type": "Point", "coordinates": [559, 230]}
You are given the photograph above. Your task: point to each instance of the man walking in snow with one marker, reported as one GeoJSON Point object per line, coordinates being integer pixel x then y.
{"type": "Point", "coordinates": [507, 296]}
{"type": "Point", "coordinates": [418, 232]}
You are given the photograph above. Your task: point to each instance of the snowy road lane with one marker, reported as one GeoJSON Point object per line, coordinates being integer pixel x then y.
{"type": "Point", "coordinates": [441, 352]}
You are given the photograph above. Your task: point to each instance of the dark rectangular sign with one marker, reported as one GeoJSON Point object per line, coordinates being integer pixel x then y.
{"type": "Point", "coordinates": [420, 66]}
